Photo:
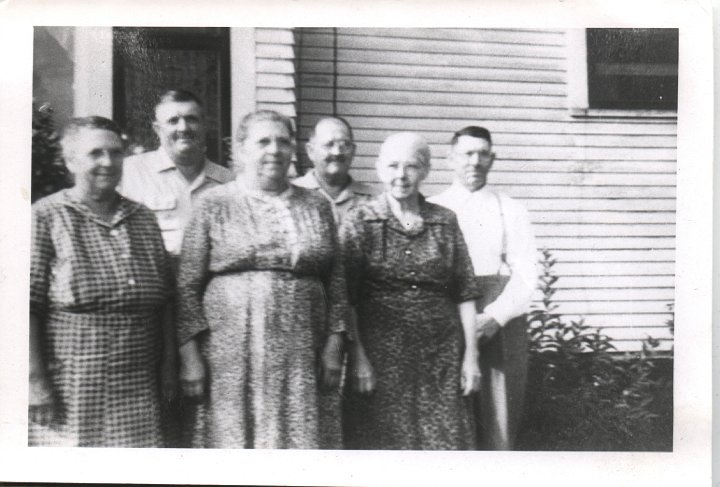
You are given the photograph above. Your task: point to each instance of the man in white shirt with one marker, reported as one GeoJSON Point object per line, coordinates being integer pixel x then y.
{"type": "Point", "coordinates": [331, 149]}
{"type": "Point", "coordinates": [168, 180]}
{"type": "Point", "coordinates": [502, 248]}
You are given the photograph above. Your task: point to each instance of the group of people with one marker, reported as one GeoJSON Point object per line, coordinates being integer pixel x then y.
{"type": "Point", "coordinates": [175, 304]}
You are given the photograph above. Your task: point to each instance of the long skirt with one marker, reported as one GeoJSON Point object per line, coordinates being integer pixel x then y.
{"type": "Point", "coordinates": [415, 344]}
{"type": "Point", "coordinates": [261, 352]}
{"type": "Point", "coordinates": [103, 370]}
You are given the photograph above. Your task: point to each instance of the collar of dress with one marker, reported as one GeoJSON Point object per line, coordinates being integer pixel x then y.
{"type": "Point", "coordinates": [124, 210]}
{"type": "Point", "coordinates": [381, 212]}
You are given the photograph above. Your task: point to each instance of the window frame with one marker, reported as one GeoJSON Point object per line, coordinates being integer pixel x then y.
{"type": "Point", "coordinates": [578, 89]}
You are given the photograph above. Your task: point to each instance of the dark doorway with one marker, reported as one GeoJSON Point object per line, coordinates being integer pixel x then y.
{"type": "Point", "coordinates": [151, 60]}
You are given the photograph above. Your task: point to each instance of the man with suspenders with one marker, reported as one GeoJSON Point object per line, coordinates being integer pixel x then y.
{"type": "Point", "coordinates": [502, 248]}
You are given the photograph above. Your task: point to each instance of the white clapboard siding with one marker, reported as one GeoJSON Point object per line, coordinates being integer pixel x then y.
{"type": "Point", "coordinates": [275, 70]}
{"type": "Point", "coordinates": [504, 139]}
{"type": "Point", "coordinates": [600, 192]}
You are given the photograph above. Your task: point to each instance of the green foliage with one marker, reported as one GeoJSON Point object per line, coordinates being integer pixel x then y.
{"type": "Point", "coordinates": [584, 396]}
{"type": "Point", "coordinates": [49, 173]}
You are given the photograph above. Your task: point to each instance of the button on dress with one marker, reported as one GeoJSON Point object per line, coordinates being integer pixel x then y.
{"type": "Point", "coordinates": [405, 286]}
{"type": "Point", "coordinates": [98, 288]}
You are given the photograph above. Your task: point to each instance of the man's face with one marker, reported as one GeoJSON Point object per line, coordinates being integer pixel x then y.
{"type": "Point", "coordinates": [471, 158]}
{"type": "Point", "coordinates": [180, 126]}
{"type": "Point", "coordinates": [331, 149]}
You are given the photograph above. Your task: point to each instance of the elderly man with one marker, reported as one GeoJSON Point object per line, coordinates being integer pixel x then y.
{"type": "Point", "coordinates": [168, 181]}
{"type": "Point", "coordinates": [331, 149]}
{"type": "Point", "coordinates": [502, 248]}
{"type": "Point", "coordinates": [170, 178]}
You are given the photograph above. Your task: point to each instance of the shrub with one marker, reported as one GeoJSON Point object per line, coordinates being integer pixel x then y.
{"type": "Point", "coordinates": [584, 396]}
{"type": "Point", "coordinates": [49, 173]}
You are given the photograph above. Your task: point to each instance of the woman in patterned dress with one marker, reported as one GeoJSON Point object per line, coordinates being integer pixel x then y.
{"type": "Point", "coordinates": [99, 286]}
{"type": "Point", "coordinates": [262, 299]}
{"type": "Point", "coordinates": [411, 285]}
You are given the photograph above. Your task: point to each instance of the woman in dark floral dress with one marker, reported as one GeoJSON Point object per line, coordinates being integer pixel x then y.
{"type": "Point", "coordinates": [410, 280]}
{"type": "Point", "coordinates": [263, 301]}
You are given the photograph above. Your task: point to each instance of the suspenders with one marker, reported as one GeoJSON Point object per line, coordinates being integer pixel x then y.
{"type": "Point", "coordinates": [503, 254]}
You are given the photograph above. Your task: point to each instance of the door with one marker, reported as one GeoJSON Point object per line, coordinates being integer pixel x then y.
{"type": "Point", "coordinates": [151, 60]}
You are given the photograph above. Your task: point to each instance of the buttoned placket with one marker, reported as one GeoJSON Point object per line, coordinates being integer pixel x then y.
{"type": "Point", "coordinates": [121, 246]}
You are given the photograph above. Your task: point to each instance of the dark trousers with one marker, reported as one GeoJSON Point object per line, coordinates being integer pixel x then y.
{"type": "Point", "coordinates": [503, 364]}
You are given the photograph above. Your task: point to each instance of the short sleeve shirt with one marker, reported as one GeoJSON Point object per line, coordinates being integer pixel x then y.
{"type": "Point", "coordinates": [152, 179]}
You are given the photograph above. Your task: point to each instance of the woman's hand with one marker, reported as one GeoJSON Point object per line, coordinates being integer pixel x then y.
{"type": "Point", "coordinates": [470, 376]}
{"type": "Point", "coordinates": [41, 406]}
{"type": "Point", "coordinates": [331, 367]}
{"type": "Point", "coordinates": [192, 370]}
{"type": "Point", "coordinates": [362, 375]}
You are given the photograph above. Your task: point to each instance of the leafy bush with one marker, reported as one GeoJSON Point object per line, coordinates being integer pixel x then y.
{"type": "Point", "coordinates": [49, 173]}
{"type": "Point", "coordinates": [584, 396]}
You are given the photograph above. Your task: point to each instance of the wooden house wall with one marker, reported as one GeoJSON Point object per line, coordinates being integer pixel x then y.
{"type": "Point", "coordinates": [600, 191]}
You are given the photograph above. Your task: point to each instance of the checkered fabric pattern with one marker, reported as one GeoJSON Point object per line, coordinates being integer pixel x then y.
{"type": "Point", "coordinates": [103, 369]}
{"type": "Point", "coordinates": [99, 286]}
{"type": "Point", "coordinates": [81, 263]}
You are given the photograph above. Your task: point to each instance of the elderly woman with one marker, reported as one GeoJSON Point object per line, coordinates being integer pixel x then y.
{"type": "Point", "coordinates": [99, 284]}
{"type": "Point", "coordinates": [261, 290]}
{"type": "Point", "coordinates": [411, 286]}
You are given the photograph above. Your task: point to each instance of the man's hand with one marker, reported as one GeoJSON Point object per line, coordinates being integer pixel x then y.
{"type": "Point", "coordinates": [485, 327]}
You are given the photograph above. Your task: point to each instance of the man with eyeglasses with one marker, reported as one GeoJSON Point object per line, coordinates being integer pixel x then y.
{"type": "Point", "coordinates": [502, 248]}
{"type": "Point", "coordinates": [331, 149]}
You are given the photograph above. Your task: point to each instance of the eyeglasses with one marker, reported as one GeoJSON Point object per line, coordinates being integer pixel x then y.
{"type": "Point", "coordinates": [344, 146]}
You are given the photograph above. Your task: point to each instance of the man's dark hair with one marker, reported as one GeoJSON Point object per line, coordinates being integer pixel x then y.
{"type": "Point", "coordinates": [334, 117]}
{"type": "Point", "coordinates": [472, 131]}
{"type": "Point", "coordinates": [178, 96]}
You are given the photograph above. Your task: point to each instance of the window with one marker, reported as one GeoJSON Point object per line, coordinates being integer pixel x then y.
{"type": "Point", "coordinates": [632, 68]}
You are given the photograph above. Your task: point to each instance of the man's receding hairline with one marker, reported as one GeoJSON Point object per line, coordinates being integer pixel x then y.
{"type": "Point", "coordinates": [337, 121]}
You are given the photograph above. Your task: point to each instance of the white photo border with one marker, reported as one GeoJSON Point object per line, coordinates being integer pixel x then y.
{"type": "Point", "coordinates": [688, 464]}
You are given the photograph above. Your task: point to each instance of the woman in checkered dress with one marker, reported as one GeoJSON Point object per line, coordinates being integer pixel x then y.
{"type": "Point", "coordinates": [262, 300]}
{"type": "Point", "coordinates": [99, 285]}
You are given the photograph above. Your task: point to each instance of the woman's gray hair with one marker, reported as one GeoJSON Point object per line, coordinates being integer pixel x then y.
{"type": "Point", "coordinates": [76, 125]}
{"type": "Point", "coordinates": [262, 116]}
{"type": "Point", "coordinates": [411, 140]}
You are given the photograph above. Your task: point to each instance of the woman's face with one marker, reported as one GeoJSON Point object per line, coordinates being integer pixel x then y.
{"type": "Point", "coordinates": [95, 158]}
{"type": "Point", "coordinates": [267, 152]}
{"type": "Point", "coordinates": [401, 170]}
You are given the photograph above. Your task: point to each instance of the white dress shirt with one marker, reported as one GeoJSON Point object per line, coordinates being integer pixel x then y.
{"type": "Point", "coordinates": [479, 216]}
{"type": "Point", "coordinates": [153, 180]}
